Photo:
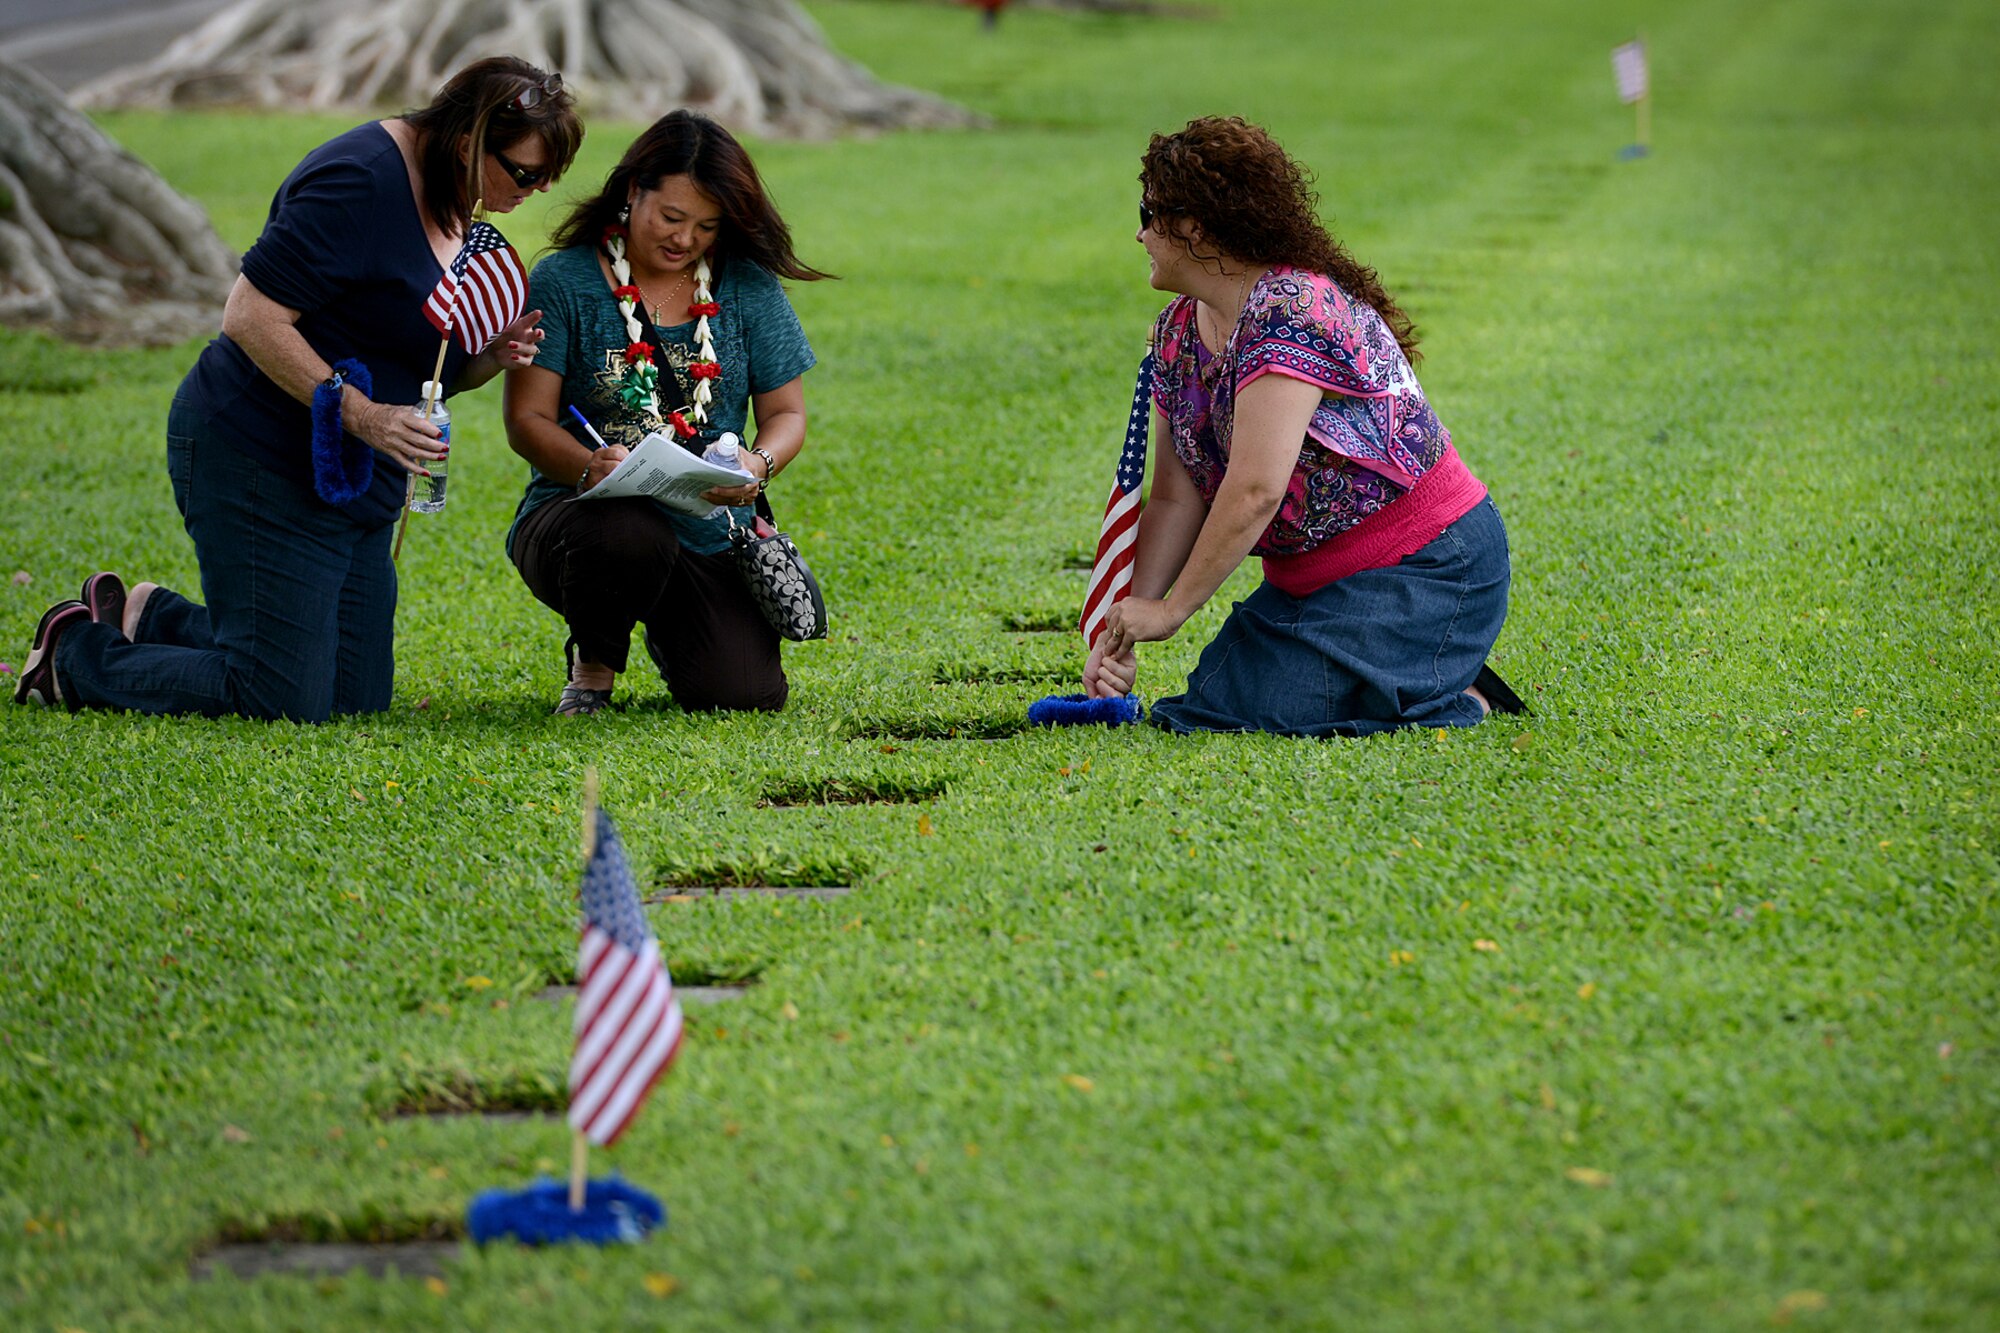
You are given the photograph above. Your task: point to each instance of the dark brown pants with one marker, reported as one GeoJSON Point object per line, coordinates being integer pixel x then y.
{"type": "Point", "coordinates": [606, 565]}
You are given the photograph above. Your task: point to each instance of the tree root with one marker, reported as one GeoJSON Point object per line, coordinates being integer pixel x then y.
{"type": "Point", "coordinates": [93, 244]}
{"type": "Point", "coordinates": [759, 66]}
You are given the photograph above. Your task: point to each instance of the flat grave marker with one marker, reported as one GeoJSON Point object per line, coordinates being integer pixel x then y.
{"type": "Point", "coordinates": [319, 1259]}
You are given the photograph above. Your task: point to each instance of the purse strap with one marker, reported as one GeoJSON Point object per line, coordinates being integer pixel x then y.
{"type": "Point", "coordinates": [679, 402]}
{"type": "Point", "coordinates": [668, 385]}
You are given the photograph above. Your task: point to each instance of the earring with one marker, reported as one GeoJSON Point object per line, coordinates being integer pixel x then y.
{"type": "Point", "coordinates": [624, 215]}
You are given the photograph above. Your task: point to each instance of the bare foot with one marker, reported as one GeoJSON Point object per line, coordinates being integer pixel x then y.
{"type": "Point", "coordinates": [586, 675]}
{"type": "Point", "coordinates": [1484, 706]}
{"type": "Point", "coordinates": [135, 606]}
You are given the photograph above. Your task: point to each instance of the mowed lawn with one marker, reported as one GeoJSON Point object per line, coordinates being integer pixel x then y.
{"type": "Point", "coordinates": [1672, 1006]}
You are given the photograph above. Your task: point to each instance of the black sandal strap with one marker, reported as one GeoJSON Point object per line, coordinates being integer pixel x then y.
{"type": "Point", "coordinates": [1499, 695]}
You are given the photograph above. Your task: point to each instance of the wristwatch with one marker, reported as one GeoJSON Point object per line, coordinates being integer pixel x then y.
{"type": "Point", "coordinates": [334, 381]}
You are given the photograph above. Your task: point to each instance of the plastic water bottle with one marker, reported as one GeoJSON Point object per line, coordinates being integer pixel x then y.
{"type": "Point", "coordinates": [429, 497]}
{"type": "Point", "coordinates": [723, 453]}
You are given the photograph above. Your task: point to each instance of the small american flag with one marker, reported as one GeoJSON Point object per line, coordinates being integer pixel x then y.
{"type": "Point", "coordinates": [1117, 540]}
{"type": "Point", "coordinates": [483, 291]}
{"type": "Point", "coordinates": [628, 1020]}
{"type": "Point", "coordinates": [1628, 64]}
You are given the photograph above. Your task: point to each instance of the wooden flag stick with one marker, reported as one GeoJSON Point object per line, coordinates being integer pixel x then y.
{"type": "Point", "coordinates": [430, 403]}
{"type": "Point", "coordinates": [1645, 107]}
{"type": "Point", "coordinates": [579, 1169]}
{"type": "Point", "coordinates": [579, 1148]}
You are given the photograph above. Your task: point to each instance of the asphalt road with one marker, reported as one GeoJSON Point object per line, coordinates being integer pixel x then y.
{"type": "Point", "coordinates": [70, 41]}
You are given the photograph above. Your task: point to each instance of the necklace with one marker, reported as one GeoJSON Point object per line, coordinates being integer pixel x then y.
{"type": "Point", "coordinates": [660, 307]}
{"type": "Point", "coordinates": [639, 390]}
{"type": "Point", "coordinates": [1225, 332]}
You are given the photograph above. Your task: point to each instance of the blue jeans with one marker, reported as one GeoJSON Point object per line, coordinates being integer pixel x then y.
{"type": "Point", "coordinates": [301, 602]}
{"type": "Point", "coordinates": [1378, 650]}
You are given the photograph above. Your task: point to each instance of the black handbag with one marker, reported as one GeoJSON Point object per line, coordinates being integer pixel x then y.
{"type": "Point", "coordinates": [779, 579]}
{"type": "Point", "coordinates": [777, 575]}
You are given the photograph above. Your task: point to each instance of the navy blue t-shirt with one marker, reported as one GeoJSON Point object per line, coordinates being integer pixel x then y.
{"type": "Point", "coordinates": [345, 246]}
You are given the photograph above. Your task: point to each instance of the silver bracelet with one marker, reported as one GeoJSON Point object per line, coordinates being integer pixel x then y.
{"type": "Point", "coordinates": [770, 463]}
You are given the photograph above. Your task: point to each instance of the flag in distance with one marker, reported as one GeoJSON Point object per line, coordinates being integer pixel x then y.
{"type": "Point", "coordinates": [1118, 537]}
{"type": "Point", "coordinates": [483, 291]}
{"type": "Point", "coordinates": [628, 1019]}
{"type": "Point", "coordinates": [1628, 62]}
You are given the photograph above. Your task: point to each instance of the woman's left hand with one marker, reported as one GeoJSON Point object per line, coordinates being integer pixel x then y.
{"type": "Point", "coordinates": [740, 495]}
{"type": "Point", "coordinates": [1138, 620]}
{"type": "Point", "coordinates": [518, 342]}
{"type": "Point", "coordinates": [1107, 675]}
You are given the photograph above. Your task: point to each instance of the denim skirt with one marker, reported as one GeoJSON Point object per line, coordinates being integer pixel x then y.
{"type": "Point", "coordinates": [1378, 650]}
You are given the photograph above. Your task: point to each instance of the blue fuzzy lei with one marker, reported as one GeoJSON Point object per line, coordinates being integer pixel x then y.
{"type": "Point", "coordinates": [1080, 710]}
{"type": "Point", "coordinates": [613, 1213]}
{"type": "Point", "coordinates": [342, 465]}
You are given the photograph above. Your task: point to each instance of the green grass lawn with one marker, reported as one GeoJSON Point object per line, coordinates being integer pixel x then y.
{"type": "Point", "coordinates": [1671, 1007]}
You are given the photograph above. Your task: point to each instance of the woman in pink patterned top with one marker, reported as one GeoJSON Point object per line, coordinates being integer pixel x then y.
{"type": "Point", "coordinates": [1281, 375]}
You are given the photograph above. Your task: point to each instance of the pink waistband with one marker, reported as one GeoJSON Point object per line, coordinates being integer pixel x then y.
{"type": "Point", "coordinates": [1404, 526]}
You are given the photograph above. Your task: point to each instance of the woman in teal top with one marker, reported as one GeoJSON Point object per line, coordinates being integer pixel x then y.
{"type": "Point", "coordinates": [662, 311]}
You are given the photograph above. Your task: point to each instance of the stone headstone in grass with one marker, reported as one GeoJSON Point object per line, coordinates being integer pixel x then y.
{"type": "Point", "coordinates": [696, 893]}
{"type": "Point", "coordinates": [887, 730]}
{"type": "Point", "coordinates": [853, 791]}
{"type": "Point", "coordinates": [94, 246]}
{"type": "Point", "coordinates": [511, 1095]}
{"type": "Point", "coordinates": [411, 1259]}
{"type": "Point", "coordinates": [688, 994]}
{"type": "Point", "coordinates": [760, 66]}
{"type": "Point", "coordinates": [756, 876]}
{"type": "Point", "coordinates": [1044, 621]}
{"type": "Point", "coordinates": [962, 672]}
{"type": "Point", "coordinates": [326, 1245]}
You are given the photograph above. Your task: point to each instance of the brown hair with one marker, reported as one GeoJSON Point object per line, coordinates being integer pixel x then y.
{"type": "Point", "coordinates": [1252, 202]}
{"type": "Point", "coordinates": [687, 143]}
{"type": "Point", "coordinates": [482, 102]}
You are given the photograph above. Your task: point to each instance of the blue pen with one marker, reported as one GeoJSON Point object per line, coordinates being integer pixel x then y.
{"type": "Point", "coordinates": [584, 422]}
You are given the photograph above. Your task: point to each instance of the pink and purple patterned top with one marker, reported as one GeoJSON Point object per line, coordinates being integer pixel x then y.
{"type": "Point", "coordinates": [1372, 438]}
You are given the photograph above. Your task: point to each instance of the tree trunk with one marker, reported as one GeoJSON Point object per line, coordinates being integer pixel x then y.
{"type": "Point", "coordinates": [759, 66]}
{"type": "Point", "coordinates": [93, 244]}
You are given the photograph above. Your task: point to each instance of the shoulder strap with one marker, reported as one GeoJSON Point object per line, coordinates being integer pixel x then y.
{"type": "Point", "coordinates": [672, 398]}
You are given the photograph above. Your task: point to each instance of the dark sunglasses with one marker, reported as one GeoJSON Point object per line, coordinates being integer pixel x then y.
{"type": "Point", "coordinates": [1146, 215]}
{"type": "Point", "coordinates": [525, 177]}
{"type": "Point", "coordinates": [535, 92]}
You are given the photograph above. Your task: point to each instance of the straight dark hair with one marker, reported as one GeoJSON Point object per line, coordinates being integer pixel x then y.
{"type": "Point", "coordinates": [687, 143]}
{"type": "Point", "coordinates": [481, 106]}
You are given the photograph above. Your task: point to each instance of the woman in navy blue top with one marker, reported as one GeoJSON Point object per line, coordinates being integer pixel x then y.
{"type": "Point", "coordinates": [299, 586]}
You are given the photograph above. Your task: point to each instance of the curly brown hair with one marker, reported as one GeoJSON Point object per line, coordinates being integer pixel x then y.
{"type": "Point", "coordinates": [1253, 203]}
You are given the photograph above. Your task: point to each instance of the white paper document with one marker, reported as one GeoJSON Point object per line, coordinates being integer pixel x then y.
{"type": "Point", "coordinates": [664, 471]}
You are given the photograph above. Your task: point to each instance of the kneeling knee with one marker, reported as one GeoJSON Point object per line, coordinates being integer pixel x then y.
{"type": "Point", "coordinates": [733, 696]}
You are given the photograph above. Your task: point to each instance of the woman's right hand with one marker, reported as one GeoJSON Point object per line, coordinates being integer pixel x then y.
{"type": "Point", "coordinates": [1109, 675]}
{"type": "Point", "coordinates": [603, 462]}
{"type": "Point", "coordinates": [394, 431]}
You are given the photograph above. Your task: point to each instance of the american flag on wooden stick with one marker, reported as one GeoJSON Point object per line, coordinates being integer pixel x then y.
{"type": "Point", "coordinates": [1628, 65]}
{"type": "Point", "coordinates": [1117, 539]}
{"type": "Point", "coordinates": [483, 291]}
{"type": "Point", "coordinates": [628, 1019]}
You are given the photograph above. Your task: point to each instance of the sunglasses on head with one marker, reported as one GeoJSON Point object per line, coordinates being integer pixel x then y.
{"type": "Point", "coordinates": [525, 177]}
{"type": "Point", "coordinates": [535, 92]}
